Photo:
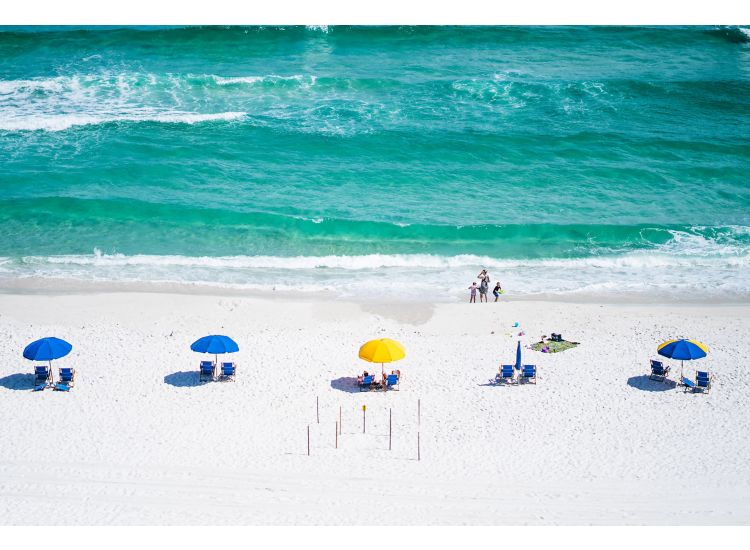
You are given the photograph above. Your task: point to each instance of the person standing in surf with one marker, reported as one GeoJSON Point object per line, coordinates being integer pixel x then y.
{"type": "Point", "coordinates": [484, 285]}
{"type": "Point", "coordinates": [473, 295]}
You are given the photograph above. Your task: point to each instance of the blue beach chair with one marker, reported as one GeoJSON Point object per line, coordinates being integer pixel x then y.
{"type": "Point", "coordinates": [528, 374]}
{"type": "Point", "coordinates": [66, 379]}
{"type": "Point", "coordinates": [228, 370]}
{"type": "Point", "coordinates": [658, 371]}
{"type": "Point", "coordinates": [42, 377]}
{"type": "Point", "coordinates": [366, 382]}
{"type": "Point", "coordinates": [392, 382]}
{"type": "Point", "coordinates": [507, 375]}
{"type": "Point", "coordinates": [702, 382]}
{"type": "Point", "coordinates": [207, 371]}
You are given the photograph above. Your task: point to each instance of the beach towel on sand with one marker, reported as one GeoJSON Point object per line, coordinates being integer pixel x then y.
{"type": "Point", "coordinates": [553, 347]}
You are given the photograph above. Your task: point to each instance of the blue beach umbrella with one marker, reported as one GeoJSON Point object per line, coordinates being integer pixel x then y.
{"type": "Point", "coordinates": [684, 350]}
{"type": "Point", "coordinates": [47, 349]}
{"type": "Point", "coordinates": [518, 356]}
{"type": "Point", "coordinates": [215, 343]}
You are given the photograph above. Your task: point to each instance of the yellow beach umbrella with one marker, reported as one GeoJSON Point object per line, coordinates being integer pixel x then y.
{"type": "Point", "coordinates": [383, 350]}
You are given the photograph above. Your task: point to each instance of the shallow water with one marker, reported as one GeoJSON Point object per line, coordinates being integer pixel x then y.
{"type": "Point", "coordinates": [380, 160]}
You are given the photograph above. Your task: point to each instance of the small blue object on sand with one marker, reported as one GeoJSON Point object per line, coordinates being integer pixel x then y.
{"type": "Point", "coordinates": [62, 387]}
{"type": "Point", "coordinates": [40, 387]}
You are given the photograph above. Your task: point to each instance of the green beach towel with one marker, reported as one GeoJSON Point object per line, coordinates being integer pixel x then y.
{"type": "Point", "coordinates": [554, 347]}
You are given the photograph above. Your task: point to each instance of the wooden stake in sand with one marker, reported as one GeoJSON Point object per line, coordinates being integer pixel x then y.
{"type": "Point", "coordinates": [308, 440]}
{"type": "Point", "coordinates": [364, 422]}
{"type": "Point", "coordinates": [390, 428]}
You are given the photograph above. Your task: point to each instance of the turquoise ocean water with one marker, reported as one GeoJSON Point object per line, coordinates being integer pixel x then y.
{"type": "Point", "coordinates": [380, 161]}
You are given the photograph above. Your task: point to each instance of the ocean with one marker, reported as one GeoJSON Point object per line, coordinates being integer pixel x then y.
{"type": "Point", "coordinates": [380, 162]}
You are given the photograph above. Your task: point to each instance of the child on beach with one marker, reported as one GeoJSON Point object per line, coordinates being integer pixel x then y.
{"type": "Point", "coordinates": [473, 296]}
{"type": "Point", "coordinates": [496, 291]}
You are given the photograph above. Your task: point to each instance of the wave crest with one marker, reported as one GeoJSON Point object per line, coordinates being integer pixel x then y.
{"type": "Point", "coordinates": [660, 274]}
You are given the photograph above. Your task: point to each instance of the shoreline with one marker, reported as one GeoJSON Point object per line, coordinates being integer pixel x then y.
{"type": "Point", "coordinates": [59, 287]}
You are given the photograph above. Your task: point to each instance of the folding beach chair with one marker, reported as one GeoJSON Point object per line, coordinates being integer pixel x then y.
{"type": "Point", "coordinates": [228, 370]}
{"type": "Point", "coordinates": [702, 382]}
{"type": "Point", "coordinates": [658, 371]}
{"type": "Point", "coordinates": [528, 374]}
{"type": "Point", "coordinates": [507, 375]}
{"type": "Point", "coordinates": [42, 377]}
{"type": "Point", "coordinates": [207, 371]}
{"type": "Point", "coordinates": [366, 382]}
{"type": "Point", "coordinates": [392, 382]}
{"type": "Point", "coordinates": [66, 379]}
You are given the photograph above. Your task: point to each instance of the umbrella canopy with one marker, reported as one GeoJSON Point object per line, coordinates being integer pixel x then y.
{"type": "Point", "coordinates": [47, 349]}
{"type": "Point", "coordinates": [684, 350]}
{"type": "Point", "coordinates": [518, 356]}
{"type": "Point", "coordinates": [383, 350]}
{"type": "Point", "coordinates": [215, 343]}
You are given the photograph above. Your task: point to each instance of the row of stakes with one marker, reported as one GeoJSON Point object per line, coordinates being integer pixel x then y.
{"type": "Point", "coordinates": [364, 426]}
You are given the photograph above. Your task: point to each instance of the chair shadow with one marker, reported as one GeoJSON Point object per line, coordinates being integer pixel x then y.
{"type": "Point", "coordinates": [18, 381]}
{"type": "Point", "coordinates": [644, 383]}
{"type": "Point", "coordinates": [184, 379]}
{"type": "Point", "coordinates": [347, 384]}
{"type": "Point", "coordinates": [493, 383]}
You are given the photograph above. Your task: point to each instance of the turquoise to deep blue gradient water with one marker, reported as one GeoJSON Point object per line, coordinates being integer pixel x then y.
{"type": "Point", "coordinates": [379, 160]}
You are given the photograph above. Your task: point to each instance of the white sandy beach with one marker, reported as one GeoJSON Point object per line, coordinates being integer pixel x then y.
{"type": "Point", "coordinates": [138, 441]}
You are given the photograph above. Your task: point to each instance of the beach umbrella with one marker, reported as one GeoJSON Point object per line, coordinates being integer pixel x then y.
{"type": "Point", "coordinates": [47, 349]}
{"type": "Point", "coordinates": [216, 344]}
{"type": "Point", "coordinates": [383, 350]}
{"type": "Point", "coordinates": [518, 356]}
{"type": "Point", "coordinates": [684, 350]}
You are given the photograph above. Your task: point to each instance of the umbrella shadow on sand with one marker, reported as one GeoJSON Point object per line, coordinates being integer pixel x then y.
{"type": "Point", "coordinates": [18, 381]}
{"type": "Point", "coordinates": [644, 383]}
{"type": "Point", "coordinates": [345, 383]}
{"type": "Point", "coordinates": [183, 379]}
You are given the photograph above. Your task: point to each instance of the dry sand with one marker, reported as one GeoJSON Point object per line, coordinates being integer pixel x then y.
{"type": "Point", "coordinates": [139, 441]}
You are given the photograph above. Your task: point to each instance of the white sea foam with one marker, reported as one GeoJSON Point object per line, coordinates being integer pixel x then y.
{"type": "Point", "coordinates": [56, 123]}
{"type": "Point", "coordinates": [661, 272]}
{"type": "Point", "coordinates": [61, 102]}
{"type": "Point", "coordinates": [222, 81]}
{"type": "Point", "coordinates": [302, 79]}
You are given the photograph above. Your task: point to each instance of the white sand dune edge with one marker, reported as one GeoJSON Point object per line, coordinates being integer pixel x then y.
{"type": "Point", "coordinates": [139, 442]}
